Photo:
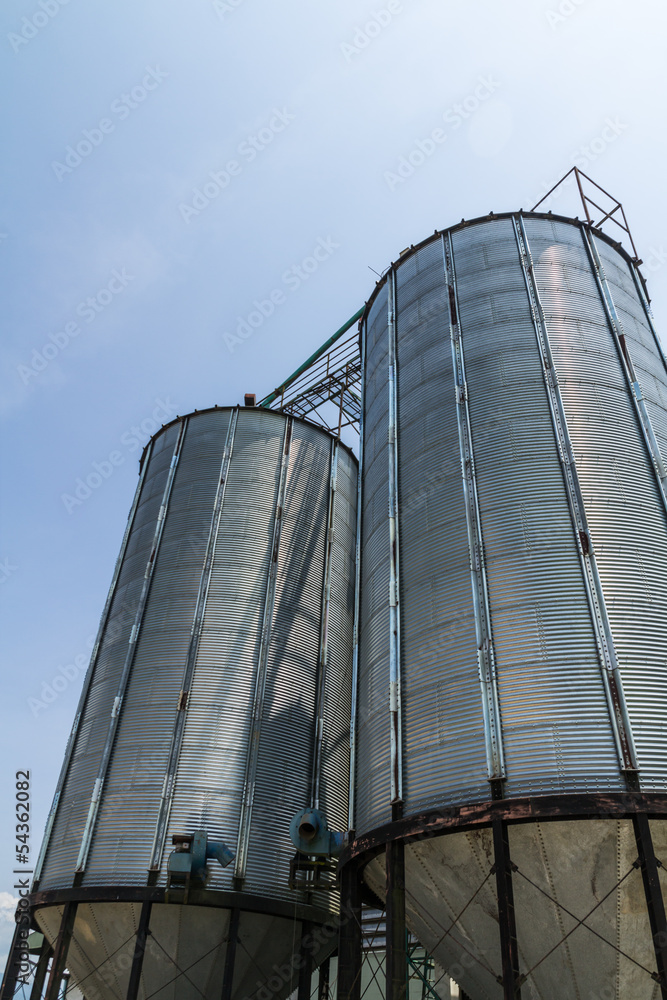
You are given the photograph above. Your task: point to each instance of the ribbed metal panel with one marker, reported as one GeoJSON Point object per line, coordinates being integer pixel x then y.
{"type": "Point", "coordinates": [543, 639]}
{"type": "Point", "coordinates": [337, 688]}
{"type": "Point", "coordinates": [217, 729]}
{"type": "Point", "coordinates": [443, 725]}
{"type": "Point", "coordinates": [373, 791]}
{"type": "Point", "coordinates": [65, 839]}
{"type": "Point", "coordinates": [220, 581]}
{"type": "Point", "coordinates": [287, 737]}
{"type": "Point", "coordinates": [623, 502]}
{"type": "Point", "coordinates": [555, 680]}
{"type": "Point", "coordinates": [126, 821]}
{"type": "Point", "coordinates": [645, 351]}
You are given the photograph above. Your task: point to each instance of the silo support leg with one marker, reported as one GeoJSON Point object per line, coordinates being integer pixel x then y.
{"type": "Point", "coordinates": [397, 953]}
{"type": "Point", "coordinates": [654, 899]}
{"type": "Point", "coordinates": [305, 962]}
{"type": "Point", "coordinates": [60, 951]}
{"type": "Point", "coordinates": [139, 951]}
{"type": "Point", "coordinates": [12, 968]}
{"type": "Point", "coordinates": [508, 943]}
{"type": "Point", "coordinates": [230, 955]}
{"type": "Point", "coordinates": [349, 935]}
{"type": "Point", "coordinates": [40, 972]}
{"type": "Point", "coordinates": [323, 985]}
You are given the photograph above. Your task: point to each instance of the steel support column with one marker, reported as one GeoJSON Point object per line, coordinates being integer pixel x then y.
{"type": "Point", "coordinates": [397, 952]}
{"type": "Point", "coordinates": [230, 956]}
{"type": "Point", "coordinates": [305, 962]}
{"type": "Point", "coordinates": [654, 899]}
{"type": "Point", "coordinates": [508, 943]}
{"type": "Point", "coordinates": [139, 951]}
{"type": "Point", "coordinates": [324, 980]}
{"type": "Point", "coordinates": [41, 970]}
{"type": "Point", "coordinates": [60, 951]}
{"type": "Point", "coordinates": [12, 969]}
{"type": "Point", "coordinates": [349, 934]}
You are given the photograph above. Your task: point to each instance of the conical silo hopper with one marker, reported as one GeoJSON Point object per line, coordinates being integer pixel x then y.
{"type": "Point", "coordinates": [216, 703]}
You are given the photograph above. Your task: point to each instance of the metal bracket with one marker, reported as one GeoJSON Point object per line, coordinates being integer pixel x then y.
{"type": "Point", "coordinates": [319, 873]}
{"type": "Point", "coordinates": [610, 213]}
{"type": "Point", "coordinates": [331, 377]}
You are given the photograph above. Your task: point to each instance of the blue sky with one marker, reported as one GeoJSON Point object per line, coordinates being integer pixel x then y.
{"type": "Point", "coordinates": [170, 165]}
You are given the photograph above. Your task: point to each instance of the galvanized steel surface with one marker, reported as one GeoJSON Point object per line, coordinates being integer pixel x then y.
{"type": "Point", "coordinates": [192, 690]}
{"type": "Point", "coordinates": [480, 590]}
{"type": "Point", "coordinates": [185, 952]}
{"type": "Point", "coordinates": [89, 675]}
{"type": "Point", "coordinates": [102, 682]}
{"type": "Point", "coordinates": [583, 929]}
{"type": "Point", "coordinates": [535, 327]}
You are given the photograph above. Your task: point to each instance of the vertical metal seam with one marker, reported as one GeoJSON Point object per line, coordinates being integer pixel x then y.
{"type": "Point", "coordinates": [395, 693]}
{"type": "Point", "coordinates": [486, 659]}
{"type": "Point", "coordinates": [641, 291]}
{"type": "Point", "coordinates": [262, 663]}
{"type": "Point", "coordinates": [324, 628]}
{"type": "Point", "coordinates": [357, 594]}
{"type": "Point", "coordinates": [83, 698]}
{"type": "Point", "coordinates": [129, 657]}
{"type": "Point", "coordinates": [167, 794]}
{"type": "Point", "coordinates": [623, 349]}
{"type": "Point", "coordinates": [610, 671]}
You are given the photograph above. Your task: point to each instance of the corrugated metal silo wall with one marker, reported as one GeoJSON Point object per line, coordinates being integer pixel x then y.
{"type": "Point", "coordinates": [212, 567]}
{"type": "Point", "coordinates": [555, 719]}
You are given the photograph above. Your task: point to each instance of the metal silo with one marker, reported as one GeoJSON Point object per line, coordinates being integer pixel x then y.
{"type": "Point", "coordinates": [217, 702]}
{"type": "Point", "coordinates": [511, 711]}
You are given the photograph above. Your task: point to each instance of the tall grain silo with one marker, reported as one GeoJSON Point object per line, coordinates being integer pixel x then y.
{"type": "Point", "coordinates": [511, 712]}
{"type": "Point", "coordinates": [217, 703]}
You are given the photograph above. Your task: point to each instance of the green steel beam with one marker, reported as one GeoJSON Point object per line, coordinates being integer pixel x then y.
{"type": "Point", "coordinates": [429, 987]}
{"type": "Point", "coordinates": [266, 402]}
